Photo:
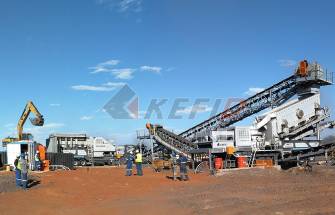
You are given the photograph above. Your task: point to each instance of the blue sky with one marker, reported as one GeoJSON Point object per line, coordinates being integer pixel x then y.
{"type": "Point", "coordinates": [56, 54]}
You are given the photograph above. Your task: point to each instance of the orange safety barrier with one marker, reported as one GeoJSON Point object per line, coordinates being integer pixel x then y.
{"type": "Point", "coordinates": [242, 162]}
{"type": "Point", "coordinates": [265, 163]}
{"type": "Point", "coordinates": [218, 163]}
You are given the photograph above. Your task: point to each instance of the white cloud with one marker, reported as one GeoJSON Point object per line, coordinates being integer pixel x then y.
{"type": "Point", "coordinates": [253, 90]}
{"type": "Point", "coordinates": [130, 5]}
{"type": "Point", "coordinates": [153, 69]}
{"type": "Point", "coordinates": [98, 69]}
{"type": "Point", "coordinates": [112, 62]}
{"type": "Point", "coordinates": [124, 74]}
{"type": "Point", "coordinates": [287, 63]}
{"type": "Point", "coordinates": [92, 88]}
{"type": "Point", "coordinates": [106, 66]}
{"type": "Point", "coordinates": [123, 5]}
{"type": "Point", "coordinates": [114, 84]}
{"type": "Point", "coordinates": [54, 105]}
{"type": "Point", "coordinates": [195, 109]}
{"type": "Point", "coordinates": [52, 125]}
{"type": "Point", "coordinates": [107, 87]}
{"type": "Point", "coordinates": [86, 118]}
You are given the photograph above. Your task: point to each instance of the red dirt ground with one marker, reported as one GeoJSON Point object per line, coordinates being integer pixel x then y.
{"type": "Point", "coordinates": [108, 191]}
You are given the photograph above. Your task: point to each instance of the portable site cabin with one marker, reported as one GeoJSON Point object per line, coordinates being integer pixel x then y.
{"type": "Point", "coordinates": [15, 149]}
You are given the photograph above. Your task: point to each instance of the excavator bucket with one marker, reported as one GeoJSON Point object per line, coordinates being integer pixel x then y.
{"type": "Point", "coordinates": [37, 121]}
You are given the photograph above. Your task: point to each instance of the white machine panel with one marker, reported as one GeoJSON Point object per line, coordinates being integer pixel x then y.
{"type": "Point", "coordinates": [222, 139]}
{"type": "Point", "coordinates": [289, 114]}
{"type": "Point", "coordinates": [104, 148]}
{"type": "Point", "coordinates": [242, 136]}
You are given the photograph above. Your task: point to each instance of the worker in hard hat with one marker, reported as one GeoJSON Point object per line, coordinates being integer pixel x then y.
{"type": "Point", "coordinates": [182, 161]}
{"type": "Point", "coordinates": [37, 159]}
{"type": "Point", "coordinates": [23, 164]}
{"type": "Point", "coordinates": [138, 161]}
{"type": "Point", "coordinates": [17, 172]}
{"type": "Point", "coordinates": [129, 166]}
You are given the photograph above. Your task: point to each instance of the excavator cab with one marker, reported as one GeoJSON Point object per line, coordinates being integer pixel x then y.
{"type": "Point", "coordinates": [27, 137]}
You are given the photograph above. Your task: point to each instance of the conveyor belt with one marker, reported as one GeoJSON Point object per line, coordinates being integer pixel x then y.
{"type": "Point", "coordinates": [170, 140]}
{"type": "Point", "coordinates": [272, 96]}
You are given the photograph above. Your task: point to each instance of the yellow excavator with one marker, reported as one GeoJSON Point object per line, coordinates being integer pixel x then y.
{"type": "Point", "coordinates": [38, 120]}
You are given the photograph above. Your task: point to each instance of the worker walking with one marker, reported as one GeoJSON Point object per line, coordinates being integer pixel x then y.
{"type": "Point", "coordinates": [129, 166]}
{"type": "Point", "coordinates": [182, 161]}
{"type": "Point", "coordinates": [138, 162]}
{"type": "Point", "coordinates": [23, 164]}
{"type": "Point", "coordinates": [17, 172]}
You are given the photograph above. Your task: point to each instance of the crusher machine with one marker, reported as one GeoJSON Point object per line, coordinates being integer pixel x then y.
{"type": "Point", "coordinates": [288, 132]}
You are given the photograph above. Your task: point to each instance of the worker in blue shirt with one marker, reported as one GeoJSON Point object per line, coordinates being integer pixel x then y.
{"type": "Point", "coordinates": [182, 161]}
{"type": "Point", "coordinates": [129, 162]}
{"type": "Point", "coordinates": [17, 171]}
{"type": "Point", "coordinates": [24, 171]}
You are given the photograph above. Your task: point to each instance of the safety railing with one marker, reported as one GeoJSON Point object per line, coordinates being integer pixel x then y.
{"type": "Point", "coordinates": [317, 73]}
{"type": "Point", "coordinates": [142, 134]}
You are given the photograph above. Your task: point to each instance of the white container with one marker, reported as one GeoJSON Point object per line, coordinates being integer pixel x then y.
{"type": "Point", "coordinates": [13, 150]}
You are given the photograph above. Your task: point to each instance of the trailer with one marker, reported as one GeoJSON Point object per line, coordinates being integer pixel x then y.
{"type": "Point", "coordinates": [87, 150]}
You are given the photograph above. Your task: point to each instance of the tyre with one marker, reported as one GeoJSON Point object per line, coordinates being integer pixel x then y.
{"type": "Point", "coordinates": [83, 163]}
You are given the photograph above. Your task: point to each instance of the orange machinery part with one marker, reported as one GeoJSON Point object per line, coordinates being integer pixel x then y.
{"type": "Point", "coordinates": [242, 162]}
{"type": "Point", "coordinates": [302, 70]}
{"type": "Point", "coordinates": [42, 151]}
{"type": "Point", "coordinates": [218, 163]}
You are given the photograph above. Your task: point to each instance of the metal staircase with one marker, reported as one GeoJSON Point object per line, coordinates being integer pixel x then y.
{"type": "Point", "coordinates": [252, 158]}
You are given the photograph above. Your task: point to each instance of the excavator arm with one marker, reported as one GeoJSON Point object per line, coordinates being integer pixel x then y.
{"type": "Point", "coordinates": [37, 121]}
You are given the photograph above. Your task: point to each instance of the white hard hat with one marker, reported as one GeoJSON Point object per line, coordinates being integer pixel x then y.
{"type": "Point", "coordinates": [131, 152]}
{"type": "Point", "coordinates": [137, 151]}
{"type": "Point", "coordinates": [177, 156]}
{"type": "Point", "coordinates": [37, 151]}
